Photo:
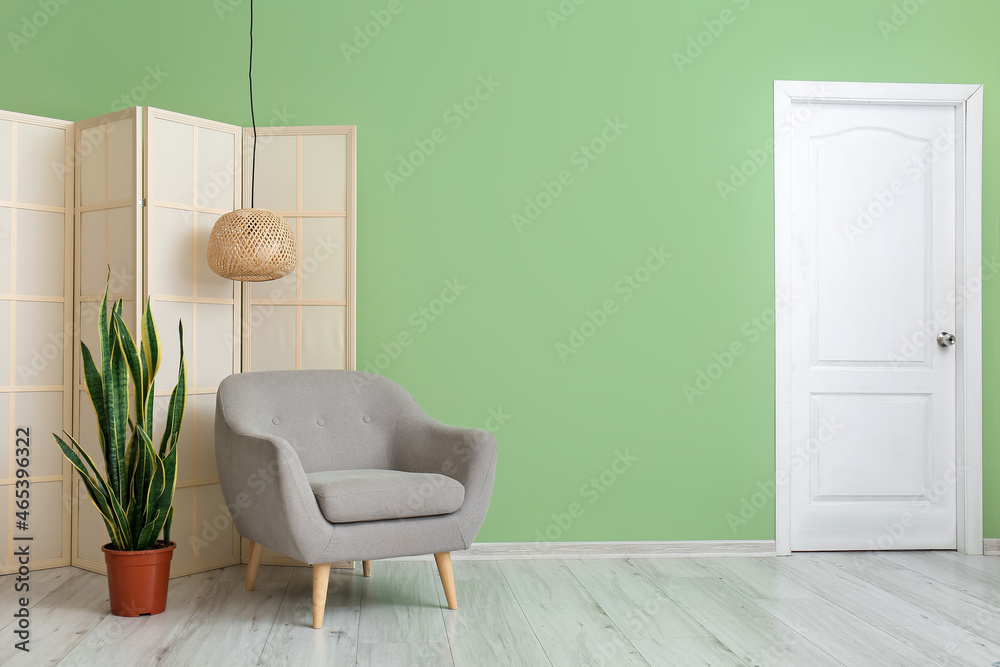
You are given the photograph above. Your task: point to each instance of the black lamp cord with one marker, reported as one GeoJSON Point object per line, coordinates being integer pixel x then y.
{"type": "Point", "coordinates": [253, 120]}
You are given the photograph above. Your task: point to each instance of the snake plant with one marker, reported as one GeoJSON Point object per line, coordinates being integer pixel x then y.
{"type": "Point", "coordinates": [135, 495]}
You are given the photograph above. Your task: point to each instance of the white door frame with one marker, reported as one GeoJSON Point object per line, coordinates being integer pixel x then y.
{"type": "Point", "coordinates": [967, 99]}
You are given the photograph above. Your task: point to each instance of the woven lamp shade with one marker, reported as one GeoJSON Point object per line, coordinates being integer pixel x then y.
{"type": "Point", "coordinates": [252, 245]}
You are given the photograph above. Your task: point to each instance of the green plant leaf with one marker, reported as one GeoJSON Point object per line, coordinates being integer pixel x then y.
{"type": "Point", "coordinates": [157, 476]}
{"type": "Point", "coordinates": [95, 387]}
{"type": "Point", "coordinates": [166, 524]}
{"type": "Point", "coordinates": [165, 500]}
{"type": "Point", "coordinates": [135, 508]}
{"type": "Point", "coordinates": [104, 335]}
{"type": "Point", "coordinates": [121, 518]}
{"type": "Point", "coordinates": [96, 489]}
{"type": "Point", "coordinates": [116, 398]}
{"type": "Point", "coordinates": [135, 494]}
{"type": "Point", "coordinates": [147, 538]}
{"type": "Point", "coordinates": [154, 495]}
{"type": "Point", "coordinates": [91, 473]}
{"type": "Point", "coordinates": [178, 398]}
{"type": "Point", "coordinates": [139, 380]}
{"type": "Point", "coordinates": [150, 403]}
{"type": "Point", "coordinates": [150, 342]}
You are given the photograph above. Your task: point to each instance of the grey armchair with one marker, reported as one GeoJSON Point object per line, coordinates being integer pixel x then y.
{"type": "Point", "coordinates": [329, 465]}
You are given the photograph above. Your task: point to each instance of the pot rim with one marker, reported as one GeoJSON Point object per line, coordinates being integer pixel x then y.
{"type": "Point", "coordinates": [109, 549]}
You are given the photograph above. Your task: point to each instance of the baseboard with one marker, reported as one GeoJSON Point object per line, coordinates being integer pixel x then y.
{"type": "Point", "coordinates": [991, 546]}
{"type": "Point", "coordinates": [584, 550]}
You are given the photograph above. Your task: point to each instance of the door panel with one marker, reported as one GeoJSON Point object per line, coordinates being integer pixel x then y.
{"type": "Point", "coordinates": [873, 265]}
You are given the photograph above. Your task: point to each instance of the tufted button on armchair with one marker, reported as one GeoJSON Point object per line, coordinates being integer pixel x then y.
{"type": "Point", "coordinates": [329, 465]}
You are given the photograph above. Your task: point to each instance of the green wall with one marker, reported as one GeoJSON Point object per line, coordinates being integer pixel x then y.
{"type": "Point", "coordinates": [683, 128]}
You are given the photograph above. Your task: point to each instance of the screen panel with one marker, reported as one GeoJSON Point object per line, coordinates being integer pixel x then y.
{"type": "Point", "coordinates": [108, 249]}
{"type": "Point", "coordinates": [36, 232]}
{"type": "Point", "coordinates": [305, 320]}
{"type": "Point", "coordinates": [192, 178]}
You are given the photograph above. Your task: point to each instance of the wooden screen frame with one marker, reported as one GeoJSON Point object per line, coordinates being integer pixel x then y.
{"type": "Point", "coordinates": [148, 260]}
{"type": "Point", "coordinates": [349, 302]}
{"type": "Point", "coordinates": [41, 439]}
{"type": "Point", "coordinates": [134, 202]}
{"type": "Point", "coordinates": [73, 388]}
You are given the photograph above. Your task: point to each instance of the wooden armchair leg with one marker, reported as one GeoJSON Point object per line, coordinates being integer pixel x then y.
{"type": "Point", "coordinates": [443, 560]}
{"type": "Point", "coordinates": [321, 580]}
{"type": "Point", "coordinates": [366, 567]}
{"type": "Point", "coordinates": [253, 564]}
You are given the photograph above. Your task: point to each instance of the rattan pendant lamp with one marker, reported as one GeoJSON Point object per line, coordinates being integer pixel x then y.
{"type": "Point", "coordinates": [251, 244]}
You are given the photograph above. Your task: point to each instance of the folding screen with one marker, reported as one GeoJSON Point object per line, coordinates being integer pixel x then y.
{"type": "Point", "coordinates": [36, 225]}
{"type": "Point", "coordinates": [149, 185]}
{"type": "Point", "coordinates": [305, 320]}
{"type": "Point", "coordinates": [108, 247]}
{"type": "Point", "coordinates": [183, 173]}
{"type": "Point", "coordinates": [192, 177]}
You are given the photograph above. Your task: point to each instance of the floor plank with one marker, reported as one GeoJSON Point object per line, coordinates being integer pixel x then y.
{"type": "Point", "coordinates": [638, 607]}
{"type": "Point", "coordinates": [388, 654]}
{"type": "Point", "coordinates": [135, 641]}
{"type": "Point", "coordinates": [941, 600]}
{"type": "Point", "coordinates": [752, 634]}
{"type": "Point", "coordinates": [480, 583]}
{"type": "Point", "coordinates": [400, 604]}
{"type": "Point", "coordinates": [230, 625]}
{"type": "Point", "coordinates": [580, 634]}
{"type": "Point", "coordinates": [954, 573]}
{"type": "Point", "coordinates": [901, 608]}
{"type": "Point", "coordinates": [987, 564]}
{"type": "Point", "coordinates": [60, 621]}
{"type": "Point", "coordinates": [495, 635]}
{"type": "Point", "coordinates": [490, 627]}
{"type": "Point", "coordinates": [753, 578]}
{"type": "Point", "coordinates": [544, 582]}
{"type": "Point", "coordinates": [858, 560]}
{"type": "Point", "coordinates": [947, 644]}
{"type": "Point", "coordinates": [671, 568]}
{"type": "Point", "coordinates": [40, 584]}
{"type": "Point", "coordinates": [293, 640]}
{"type": "Point", "coordinates": [851, 593]}
{"type": "Point", "coordinates": [273, 573]}
{"type": "Point", "coordinates": [687, 652]}
{"type": "Point", "coordinates": [841, 634]}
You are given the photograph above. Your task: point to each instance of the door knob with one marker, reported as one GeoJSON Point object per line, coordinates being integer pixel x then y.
{"type": "Point", "coordinates": [945, 339]}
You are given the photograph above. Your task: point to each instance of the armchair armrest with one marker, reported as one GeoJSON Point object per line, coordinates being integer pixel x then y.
{"type": "Point", "coordinates": [469, 455]}
{"type": "Point", "coordinates": [267, 493]}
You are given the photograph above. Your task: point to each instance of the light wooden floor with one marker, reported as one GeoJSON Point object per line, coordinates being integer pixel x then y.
{"type": "Point", "coordinates": [808, 610]}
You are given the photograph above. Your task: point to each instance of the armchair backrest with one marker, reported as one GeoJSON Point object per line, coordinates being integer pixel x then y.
{"type": "Point", "coordinates": [335, 420]}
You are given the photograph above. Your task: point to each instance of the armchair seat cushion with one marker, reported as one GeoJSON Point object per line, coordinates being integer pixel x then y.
{"type": "Point", "coordinates": [346, 496]}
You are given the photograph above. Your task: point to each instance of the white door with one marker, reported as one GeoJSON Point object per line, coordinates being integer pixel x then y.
{"type": "Point", "coordinates": [872, 284]}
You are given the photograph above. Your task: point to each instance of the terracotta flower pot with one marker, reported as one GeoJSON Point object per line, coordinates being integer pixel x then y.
{"type": "Point", "coordinates": [137, 580]}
